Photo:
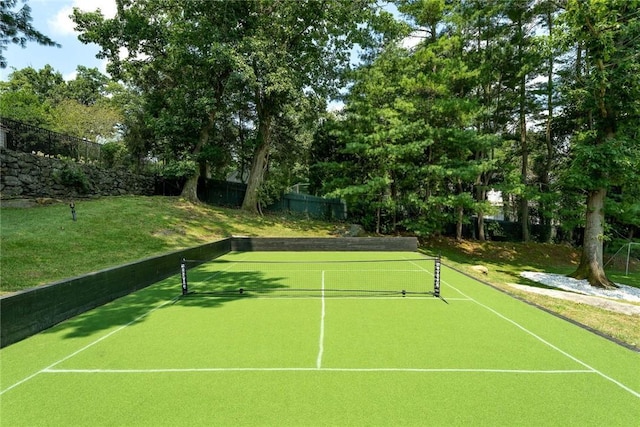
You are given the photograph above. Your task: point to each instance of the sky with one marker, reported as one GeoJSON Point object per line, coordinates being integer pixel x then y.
{"type": "Point", "coordinates": [51, 17]}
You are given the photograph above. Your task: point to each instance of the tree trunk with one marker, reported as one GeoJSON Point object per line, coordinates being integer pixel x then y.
{"type": "Point", "coordinates": [258, 165]}
{"type": "Point", "coordinates": [378, 216]}
{"type": "Point", "coordinates": [481, 234]}
{"type": "Point", "coordinates": [524, 201]}
{"type": "Point", "coordinates": [190, 189]}
{"type": "Point", "coordinates": [482, 181]}
{"type": "Point", "coordinates": [460, 210]}
{"type": "Point", "coordinates": [459, 223]}
{"type": "Point", "coordinates": [545, 208]}
{"type": "Point", "coordinates": [591, 264]}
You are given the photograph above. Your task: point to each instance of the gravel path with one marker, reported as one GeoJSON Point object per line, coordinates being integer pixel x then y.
{"type": "Point", "coordinates": [580, 291]}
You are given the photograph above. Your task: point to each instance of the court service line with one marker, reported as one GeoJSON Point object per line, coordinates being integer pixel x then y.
{"type": "Point", "coordinates": [322, 315]}
{"type": "Point", "coordinates": [104, 337]}
{"type": "Point", "coordinates": [302, 369]}
{"type": "Point", "coordinates": [539, 338]}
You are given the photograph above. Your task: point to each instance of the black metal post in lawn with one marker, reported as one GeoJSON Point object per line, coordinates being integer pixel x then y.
{"type": "Point", "coordinates": [72, 205]}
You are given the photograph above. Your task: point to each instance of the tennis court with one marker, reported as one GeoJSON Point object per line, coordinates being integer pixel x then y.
{"type": "Point", "coordinates": [305, 338]}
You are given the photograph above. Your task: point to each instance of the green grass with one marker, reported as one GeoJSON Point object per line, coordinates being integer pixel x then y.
{"type": "Point", "coordinates": [42, 244]}
{"type": "Point", "coordinates": [482, 358]}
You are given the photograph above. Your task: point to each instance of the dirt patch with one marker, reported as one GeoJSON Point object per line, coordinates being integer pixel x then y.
{"type": "Point", "coordinates": [28, 203]}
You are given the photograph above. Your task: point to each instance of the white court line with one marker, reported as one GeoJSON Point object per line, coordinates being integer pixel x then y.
{"type": "Point", "coordinates": [322, 315]}
{"type": "Point", "coordinates": [95, 342]}
{"type": "Point", "coordinates": [424, 370]}
{"type": "Point", "coordinates": [104, 337]}
{"type": "Point", "coordinates": [539, 338]}
{"type": "Point", "coordinates": [363, 298]}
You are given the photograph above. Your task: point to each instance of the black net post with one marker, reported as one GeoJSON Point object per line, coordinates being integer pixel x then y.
{"type": "Point", "coordinates": [183, 276]}
{"type": "Point", "coordinates": [436, 278]}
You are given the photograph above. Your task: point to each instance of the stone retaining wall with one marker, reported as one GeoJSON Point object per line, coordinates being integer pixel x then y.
{"type": "Point", "coordinates": [25, 175]}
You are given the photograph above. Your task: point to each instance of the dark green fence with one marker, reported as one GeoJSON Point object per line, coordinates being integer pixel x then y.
{"type": "Point", "coordinates": [30, 311]}
{"type": "Point", "coordinates": [317, 207]}
{"type": "Point", "coordinates": [222, 193]}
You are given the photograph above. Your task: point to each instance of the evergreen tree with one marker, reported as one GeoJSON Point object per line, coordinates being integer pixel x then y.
{"type": "Point", "coordinates": [606, 90]}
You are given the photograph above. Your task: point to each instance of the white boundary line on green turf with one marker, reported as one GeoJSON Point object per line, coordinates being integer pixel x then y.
{"type": "Point", "coordinates": [539, 338]}
{"type": "Point", "coordinates": [426, 370]}
{"type": "Point", "coordinates": [102, 338]}
{"type": "Point", "coordinates": [322, 315]}
{"type": "Point", "coordinates": [363, 298]}
{"type": "Point", "coordinates": [48, 368]}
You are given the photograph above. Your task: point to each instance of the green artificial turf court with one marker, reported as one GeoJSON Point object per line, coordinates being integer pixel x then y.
{"type": "Point", "coordinates": [278, 356]}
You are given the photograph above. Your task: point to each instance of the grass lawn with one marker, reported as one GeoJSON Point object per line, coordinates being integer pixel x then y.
{"type": "Point", "coordinates": [42, 244]}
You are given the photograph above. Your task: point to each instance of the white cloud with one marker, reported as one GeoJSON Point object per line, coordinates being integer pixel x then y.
{"type": "Point", "coordinates": [62, 24]}
{"type": "Point", "coordinates": [71, 76]}
{"type": "Point", "coordinates": [413, 39]}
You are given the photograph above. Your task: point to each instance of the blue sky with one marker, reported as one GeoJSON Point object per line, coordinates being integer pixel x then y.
{"type": "Point", "coordinates": [51, 18]}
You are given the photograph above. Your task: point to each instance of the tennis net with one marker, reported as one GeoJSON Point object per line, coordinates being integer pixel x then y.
{"type": "Point", "coordinates": [361, 278]}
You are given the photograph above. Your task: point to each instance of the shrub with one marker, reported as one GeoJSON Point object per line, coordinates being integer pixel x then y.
{"type": "Point", "coordinates": [114, 154]}
{"type": "Point", "coordinates": [72, 176]}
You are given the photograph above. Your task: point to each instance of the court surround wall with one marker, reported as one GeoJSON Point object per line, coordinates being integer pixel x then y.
{"type": "Point", "coordinates": [404, 244]}
{"type": "Point", "coordinates": [28, 312]}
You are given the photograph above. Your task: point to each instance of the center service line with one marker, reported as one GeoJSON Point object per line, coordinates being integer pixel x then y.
{"type": "Point", "coordinates": [322, 313]}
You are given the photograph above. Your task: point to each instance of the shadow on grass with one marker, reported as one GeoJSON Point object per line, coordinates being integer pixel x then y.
{"type": "Point", "coordinates": [137, 307]}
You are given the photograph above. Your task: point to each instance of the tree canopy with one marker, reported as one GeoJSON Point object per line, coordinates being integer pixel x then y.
{"type": "Point", "coordinates": [86, 106]}
{"type": "Point", "coordinates": [190, 60]}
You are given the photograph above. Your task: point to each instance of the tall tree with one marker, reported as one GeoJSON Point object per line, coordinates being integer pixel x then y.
{"type": "Point", "coordinates": [82, 107]}
{"type": "Point", "coordinates": [180, 56]}
{"type": "Point", "coordinates": [545, 160]}
{"type": "Point", "coordinates": [481, 26]}
{"type": "Point", "coordinates": [47, 84]}
{"type": "Point", "coordinates": [520, 14]}
{"type": "Point", "coordinates": [411, 156]}
{"type": "Point", "coordinates": [88, 87]}
{"type": "Point", "coordinates": [603, 150]}
{"type": "Point", "coordinates": [29, 95]}
{"type": "Point", "coordinates": [291, 48]}
{"type": "Point", "coordinates": [188, 57]}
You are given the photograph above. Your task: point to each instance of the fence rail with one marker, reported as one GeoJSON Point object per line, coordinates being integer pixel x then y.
{"type": "Point", "coordinates": [19, 136]}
